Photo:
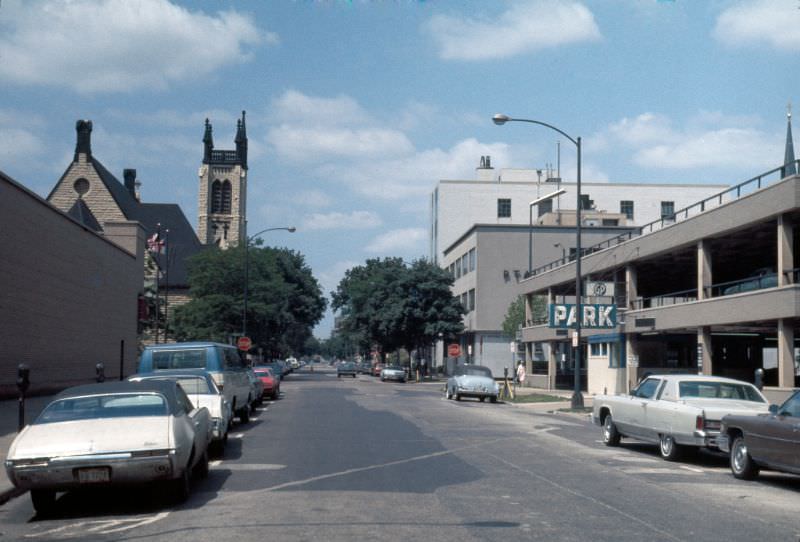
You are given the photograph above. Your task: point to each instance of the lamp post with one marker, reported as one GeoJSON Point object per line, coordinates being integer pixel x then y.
{"type": "Point", "coordinates": [247, 239]}
{"type": "Point", "coordinates": [577, 397]}
{"type": "Point", "coordinates": [537, 201]}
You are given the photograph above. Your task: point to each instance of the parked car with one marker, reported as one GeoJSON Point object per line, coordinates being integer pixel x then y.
{"type": "Point", "coordinates": [222, 361]}
{"type": "Point", "coordinates": [364, 367]}
{"type": "Point", "coordinates": [346, 368]}
{"type": "Point", "coordinates": [111, 434]}
{"type": "Point", "coordinates": [472, 381]}
{"type": "Point", "coordinates": [678, 412]}
{"type": "Point", "coordinates": [764, 277]}
{"type": "Point", "coordinates": [393, 372]}
{"type": "Point", "coordinates": [271, 382]}
{"type": "Point", "coordinates": [377, 368]}
{"type": "Point", "coordinates": [203, 392]}
{"type": "Point", "coordinates": [276, 368]}
{"type": "Point", "coordinates": [768, 441]}
{"type": "Point", "coordinates": [256, 389]}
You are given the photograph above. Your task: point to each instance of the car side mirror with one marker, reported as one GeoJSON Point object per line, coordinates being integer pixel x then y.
{"type": "Point", "coordinates": [773, 409]}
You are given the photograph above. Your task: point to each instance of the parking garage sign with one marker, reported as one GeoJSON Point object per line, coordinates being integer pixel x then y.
{"type": "Point", "coordinates": [595, 316]}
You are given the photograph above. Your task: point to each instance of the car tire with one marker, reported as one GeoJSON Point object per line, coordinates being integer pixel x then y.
{"type": "Point", "coordinates": [274, 396]}
{"type": "Point", "coordinates": [354, 376]}
{"type": "Point", "coordinates": [244, 414]}
{"type": "Point", "coordinates": [493, 399]}
{"type": "Point", "coordinates": [742, 465]}
{"type": "Point", "coordinates": [669, 449]}
{"type": "Point", "coordinates": [611, 436]}
{"type": "Point", "coordinates": [43, 500]}
{"type": "Point", "coordinates": [482, 398]}
{"type": "Point", "coordinates": [338, 376]}
{"type": "Point", "coordinates": [182, 487]}
{"type": "Point", "coordinates": [201, 469]}
{"type": "Point", "coordinates": [458, 396]}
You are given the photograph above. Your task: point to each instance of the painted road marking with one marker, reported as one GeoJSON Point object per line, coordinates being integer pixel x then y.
{"type": "Point", "coordinates": [252, 466]}
{"type": "Point", "coordinates": [236, 435]}
{"type": "Point", "coordinates": [105, 526]}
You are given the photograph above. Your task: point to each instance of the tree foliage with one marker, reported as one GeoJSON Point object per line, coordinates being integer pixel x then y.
{"type": "Point", "coordinates": [284, 301]}
{"type": "Point", "coordinates": [393, 305]}
{"type": "Point", "coordinates": [515, 315]}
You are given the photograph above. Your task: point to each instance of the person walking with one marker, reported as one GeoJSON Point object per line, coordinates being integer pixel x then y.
{"type": "Point", "coordinates": [521, 373]}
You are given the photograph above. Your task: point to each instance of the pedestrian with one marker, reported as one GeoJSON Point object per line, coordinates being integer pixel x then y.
{"type": "Point", "coordinates": [521, 373]}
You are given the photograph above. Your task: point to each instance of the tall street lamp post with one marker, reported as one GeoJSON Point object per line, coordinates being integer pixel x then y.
{"type": "Point", "coordinates": [247, 240]}
{"type": "Point", "coordinates": [577, 397]}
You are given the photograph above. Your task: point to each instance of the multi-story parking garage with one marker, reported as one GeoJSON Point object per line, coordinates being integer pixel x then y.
{"type": "Point", "coordinates": [715, 289]}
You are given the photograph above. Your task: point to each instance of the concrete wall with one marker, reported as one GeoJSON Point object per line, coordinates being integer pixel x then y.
{"type": "Point", "coordinates": [69, 294]}
{"type": "Point", "coordinates": [458, 204]}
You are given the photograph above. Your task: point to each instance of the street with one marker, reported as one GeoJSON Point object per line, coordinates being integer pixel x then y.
{"type": "Point", "coordinates": [357, 459]}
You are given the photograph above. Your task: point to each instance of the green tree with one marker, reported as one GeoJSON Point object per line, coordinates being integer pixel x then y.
{"type": "Point", "coordinates": [515, 315]}
{"type": "Point", "coordinates": [392, 305]}
{"type": "Point", "coordinates": [284, 303]}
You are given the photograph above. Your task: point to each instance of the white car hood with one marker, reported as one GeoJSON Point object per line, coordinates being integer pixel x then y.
{"type": "Point", "coordinates": [93, 436]}
{"type": "Point", "coordinates": [211, 402]}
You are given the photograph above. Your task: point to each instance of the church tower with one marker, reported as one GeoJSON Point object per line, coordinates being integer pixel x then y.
{"type": "Point", "coordinates": [222, 207]}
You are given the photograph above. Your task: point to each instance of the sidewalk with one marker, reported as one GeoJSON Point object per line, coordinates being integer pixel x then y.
{"type": "Point", "coordinates": [9, 417]}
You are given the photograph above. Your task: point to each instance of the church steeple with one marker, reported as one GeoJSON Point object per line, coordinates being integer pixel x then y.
{"type": "Point", "coordinates": [208, 143]}
{"type": "Point", "coordinates": [788, 157]}
{"type": "Point", "coordinates": [241, 141]}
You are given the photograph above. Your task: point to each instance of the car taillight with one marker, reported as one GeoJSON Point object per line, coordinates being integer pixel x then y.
{"type": "Point", "coordinates": [700, 423]}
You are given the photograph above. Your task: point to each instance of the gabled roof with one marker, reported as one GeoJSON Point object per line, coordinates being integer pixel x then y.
{"type": "Point", "coordinates": [124, 199]}
{"type": "Point", "coordinates": [80, 212]}
{"type": "Point", "coordinates": [182, 241]}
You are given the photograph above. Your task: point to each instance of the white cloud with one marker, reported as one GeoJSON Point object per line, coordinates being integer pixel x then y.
{"type": "Point", "coordinates": [296, 107]}
{"type": "Point", "coordinates": [709, 139]}
{"type": "Point", "coordinates": [355, 220]}
{"type": "Point", "coordinates": [17, 142]}
{"type": "Point", "coordinates": [776, 24]}
{"type": "Point", "coordinates": [330, 278]}
{"type": "Point", "coordinates": [119, 45]}
{"type": "Point", "coordinates": [393, 241]}
{"type": "Point", "coordinates": [312, 198]}
{"type": "Point", "coordinates": [526, 27]}
{"type": "Point", "coordinates": [302, 144]}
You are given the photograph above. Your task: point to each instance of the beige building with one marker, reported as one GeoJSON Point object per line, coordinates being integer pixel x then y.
{"type": "Point", "coordinates": [70, 293]}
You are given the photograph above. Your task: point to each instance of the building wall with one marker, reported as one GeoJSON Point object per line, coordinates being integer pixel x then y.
{"type": "Point", "coordinates": [98, 199]}
{"type": "Point", "coordinates": [458, 204]}
{"type": "Point", "coordinates": [70, 295]}
{"type": "Point", "coordinates": [208, 173]}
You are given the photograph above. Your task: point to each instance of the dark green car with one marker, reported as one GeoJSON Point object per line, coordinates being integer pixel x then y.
{"type": "Point", "coordinates": [346, 368]}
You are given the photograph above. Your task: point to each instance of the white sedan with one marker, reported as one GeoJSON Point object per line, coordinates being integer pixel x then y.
{"type": "Point", "coordinates": [472, 381]}
{"type": "Point", "coordinates": [677, 412]}
{"type": "Point", "coordinates": [111, 434]}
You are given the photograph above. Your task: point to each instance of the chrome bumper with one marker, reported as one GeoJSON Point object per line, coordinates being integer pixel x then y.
{"type": "Point", "coordinates": [62, 473]}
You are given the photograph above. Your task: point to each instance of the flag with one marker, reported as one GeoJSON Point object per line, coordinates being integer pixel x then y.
{"type": "Point", "coordinates": [155, 243]}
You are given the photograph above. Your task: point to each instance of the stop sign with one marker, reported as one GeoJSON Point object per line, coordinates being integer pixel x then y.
{"type": "Point", "coordinates": [244, 343]}
{"type": "Point", "coordinates": [453, 350]}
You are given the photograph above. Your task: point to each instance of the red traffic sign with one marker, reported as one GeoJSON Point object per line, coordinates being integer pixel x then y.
{"type": "Point", "coordinates": [453, 350]}
{"type": "Point", "coordinates": [244, 343]}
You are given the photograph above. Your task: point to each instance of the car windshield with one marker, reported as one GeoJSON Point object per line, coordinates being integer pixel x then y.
{"type": "Point", "coordinates": [791, 407]}
{"type": "Point", "coordinates": [476, 370]}
{"type": "Point", "coordinates": [394, 368]}
{"type": "Point", "coordinates": [709, 389]}
{"type": "Point", "coordinates": [104, 406]}
{"type": "Point", "coordinates": [185, 358]}
{"type": "Point", "coordinates": [263, 371]}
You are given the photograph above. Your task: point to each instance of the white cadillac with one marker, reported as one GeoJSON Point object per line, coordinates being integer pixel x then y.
{"type": "Point", "coordinates": [677, 412]}
{"type": "Point", "coordinates": [111, 434]}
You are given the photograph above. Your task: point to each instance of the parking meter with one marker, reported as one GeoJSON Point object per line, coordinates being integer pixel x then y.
{"type": "Point", "coordinates": [23, 383]}
{"type": "Point", "coordinates": [23, 378]}
{"type": "Point", "coordinates": [99, 370]}
{"type": "Point", "coordinates": [759, 380]}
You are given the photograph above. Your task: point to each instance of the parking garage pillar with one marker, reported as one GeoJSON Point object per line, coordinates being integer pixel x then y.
{"type": "Point", "coordinates": [552, 365]}
{"type": "Point", "coordinates": [704, 280]}
{"type": "Point", "coordinates": [785, 354]}
{"type": "Point", "coordinates": [631, 287]}
{"type": "Point", "coordinates": [704, 362]}
{"type": "Point", "coordinates": [785, 251]}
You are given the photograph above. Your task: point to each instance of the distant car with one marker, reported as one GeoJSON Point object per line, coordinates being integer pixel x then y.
{"type": "Point", "coordinates": [271, 382]}
{"type": "Point", "coordinates": [472, 381]}
{"type": "Point", "coordinates": [256, 389]}
{"type": "Point", "coordinates": [364, 368]}
{"type": "Point", "coordinates": [393, 372]}
{"type": "Point", "coordinates": [677, 412]}
{"type": "Point", "coordinates": [114, 434]}
{"type": "Point", "coordinates": [764, 277]}
{"type": "Point", "coordinates": [768, 441]}
{"type": "Point", "coordinates": [276, 368]}
{"type": "Point", "coordinates": [377, 368]}
{"type": "Point", "coordinates": [347, 368]}
{"type": "Point", "coordinates": [203, 392]}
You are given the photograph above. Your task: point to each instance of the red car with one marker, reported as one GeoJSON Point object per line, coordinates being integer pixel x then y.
{"type": "Point", "coordinates": [272, 384]}
{"type": "Point", "coordinates": [376, 370]}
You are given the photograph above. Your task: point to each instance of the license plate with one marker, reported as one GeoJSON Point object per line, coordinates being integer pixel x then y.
{"type": "Point", "coordinates": [94, 476]}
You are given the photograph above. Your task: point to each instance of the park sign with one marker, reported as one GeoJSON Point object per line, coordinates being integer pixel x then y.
{"type": "Point", "coordinates": [595, 316]}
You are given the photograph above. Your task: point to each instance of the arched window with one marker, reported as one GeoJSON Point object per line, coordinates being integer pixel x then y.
{"type": "Point", "coordinates": [226, 197]}
{"type": "Point", "coordinates": [216, 197]}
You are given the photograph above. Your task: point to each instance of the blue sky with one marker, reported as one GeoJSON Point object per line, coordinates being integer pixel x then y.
{"type": "Point", "coordinates": [356, 109]}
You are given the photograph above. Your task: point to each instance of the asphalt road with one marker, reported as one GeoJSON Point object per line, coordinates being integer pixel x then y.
{"type": "Point", "coordinates": [357, 459]}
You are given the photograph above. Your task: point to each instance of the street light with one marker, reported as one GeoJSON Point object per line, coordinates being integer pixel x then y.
{"type": "Point", "coordinates": [247, 239]}
{"type": "Point", "coordinates": [577, 397]}
{"type": "Point", "coordinates": [537, 201]}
